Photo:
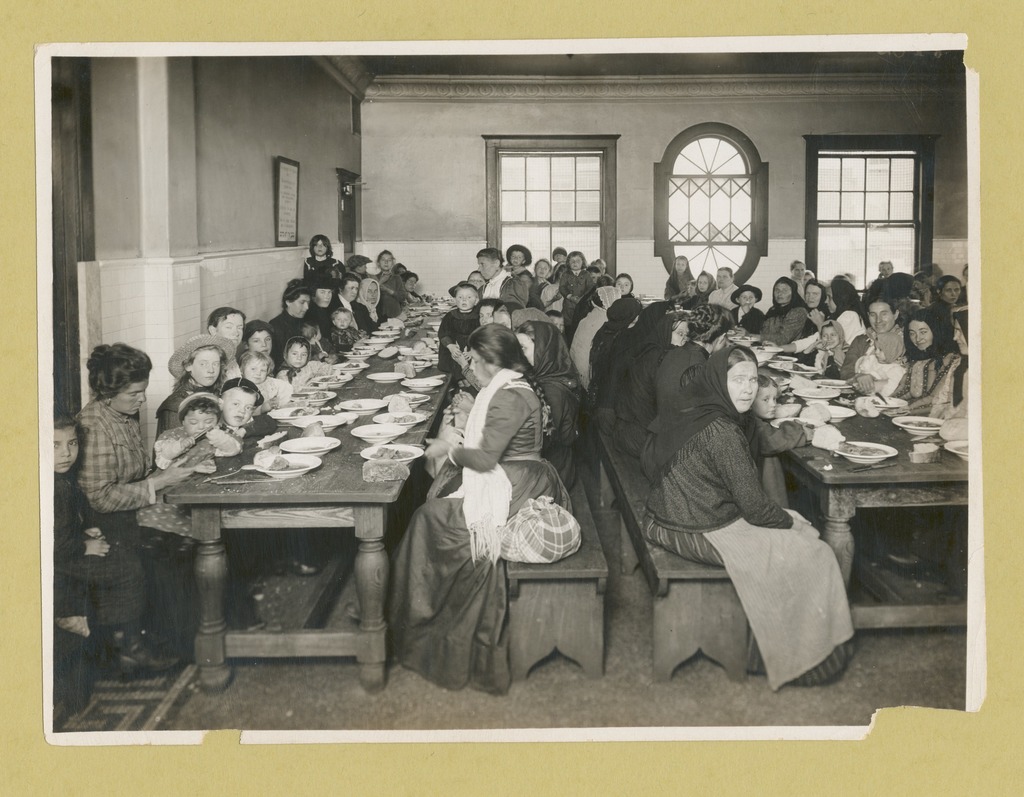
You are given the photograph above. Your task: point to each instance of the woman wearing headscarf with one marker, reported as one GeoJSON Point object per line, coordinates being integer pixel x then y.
{"type": "Point", "coordinates": [702, 288]}
{"type": "Point", "coordinates": [677, 285]}
{"type": "Point", "coordinates": [635, 405]}
{"type": "Point", "coordinates": [449, 594]}
{"type": "Point", "coordinates": [582, 342]}
{"type": "Point", "coordinates": [586, 305]}
{"type": "Point", "coordinates": [620, 315]}
{"type": "Point", "coordinates": [708, 506]}
{"type": "Point", "coordinates": [367, 309]}
{"type": "Point", "coordinates": [846, 309]}
{"type": "Point", "coordinates": [784, 321]}
{"type": "Point", "coordinates": [545, 350]}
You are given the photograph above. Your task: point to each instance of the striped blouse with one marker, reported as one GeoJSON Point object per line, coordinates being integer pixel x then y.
{"type": "Point", "coordinates": [114, 460]}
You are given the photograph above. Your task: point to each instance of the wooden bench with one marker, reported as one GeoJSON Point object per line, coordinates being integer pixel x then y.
{"type": "Point", "coordinates": [560, 606]}
{"type": "Point", "coordinates": [696, 607]}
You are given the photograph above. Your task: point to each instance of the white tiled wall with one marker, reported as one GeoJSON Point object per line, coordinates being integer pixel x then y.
{"type": "Point", "coordinates": [439, 264]}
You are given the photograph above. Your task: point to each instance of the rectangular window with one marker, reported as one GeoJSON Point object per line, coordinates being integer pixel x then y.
{"type": "Point", "coordinates": [552, 191]}
{"type": "Point", "coordinates": [869, 199]}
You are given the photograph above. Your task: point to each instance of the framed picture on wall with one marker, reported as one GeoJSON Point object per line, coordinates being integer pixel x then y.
{"type": "Point", "coordinates": [286, 202]}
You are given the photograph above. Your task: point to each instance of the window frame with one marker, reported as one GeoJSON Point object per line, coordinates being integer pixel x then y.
{"type": "Point", "coordinates": [923, 147]}
{"type": "Point", "coordinates": [557, 145]}
{"type": "Point", "coordinates": [757, 247]}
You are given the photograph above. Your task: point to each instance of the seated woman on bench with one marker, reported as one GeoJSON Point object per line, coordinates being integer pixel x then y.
{"type": "Point", "coordinates": [709, 507]}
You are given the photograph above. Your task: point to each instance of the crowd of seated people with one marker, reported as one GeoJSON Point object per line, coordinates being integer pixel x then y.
{"type": "Point", "coordinates": [534, 356]}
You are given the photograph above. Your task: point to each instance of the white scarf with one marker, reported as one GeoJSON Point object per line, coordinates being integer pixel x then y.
{"type": "Point", "coordinates": [486, 496]}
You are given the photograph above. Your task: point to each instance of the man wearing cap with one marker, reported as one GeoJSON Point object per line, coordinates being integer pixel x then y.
{"type": "Point", "coordinates": [745, 314]}
{"type": "Point", "coordinates": [722, 296]}
{"type": "Point", "coordinates": [499, 285]}
{"type": "Point", "coordinates": [238, 398]}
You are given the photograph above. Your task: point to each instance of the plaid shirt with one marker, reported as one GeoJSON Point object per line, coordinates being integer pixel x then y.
{"type": "Point", "coordinates": [114, 461]}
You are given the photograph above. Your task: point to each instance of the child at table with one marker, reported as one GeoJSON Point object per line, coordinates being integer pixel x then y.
{"type": "Point", "coordinates": [239, 399]}
{"type": "Point", "coordinates": [772, 441]}
{"type": "Point", "coordinates": [456, 327]}
{"type": "Point", "coordinates": [831, 350]}
{"type": "Point", "coordinates": [317, 350]}
{"type": "Point", "coordinates": [344, 330]}
{"type": "Point", "coordinates": [298, 369]}
{"type": "Point", "coordinates": [256, 367]}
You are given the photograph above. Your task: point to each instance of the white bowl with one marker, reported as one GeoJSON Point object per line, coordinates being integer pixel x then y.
{"type": "Point", "coordinates": [366, 406]}
{"type": "Point", "coordinates": [389, 377]}
{"type": "Point", "coordinates": [315, 398]}
{"type": "Point", "coordinates": [389, 418]}
{"type": "Point", "coordinates": [378, 432]}
{"type": "Point", "coordinates": [918, 426]}
{"type": "Point", "coordinates": [329, 420]}
{"type": "Point", "coordinates": [414, 399]}
{"type": "Point", "coordinates": [423, 384]}
{"type": "Point", "coordinates": [837, 384]}
{"type": "Point", "coordinates": [331, 382]}
{"type": "Point", "coordinates": [299, 464]}
{"type": "Point", "coordinates": [352, 367]}
{"type": "Point", "coordinates": [840, 413]}
{"type": "Point", "coordinates": [310, 445]}
{"type": "Point", "coordinates": [816, 393]}
{"type": "Point", "coordinates": [867, 453]}
{"type": "Point", "coordinates": [292, 413]}
{"type": "Point", "coordinates": [384, 334]}
{"type": "Point", "coordinates": [958, 447]}
{"type": "Point", "coordinates": [407, 453]}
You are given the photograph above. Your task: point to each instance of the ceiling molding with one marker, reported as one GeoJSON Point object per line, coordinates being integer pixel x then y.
{"type": "Point", "coordinates": [347, 71]}
{"type": "Point", "coordinates": [651, 88]}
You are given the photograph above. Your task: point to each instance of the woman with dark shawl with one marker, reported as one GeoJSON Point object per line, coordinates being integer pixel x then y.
{"type": "Point", "coordinates": [784, 321]}
{"type": "Point", "coordinates": [620, 315]}
{"type": "Point", "coordinates": [708, 506]}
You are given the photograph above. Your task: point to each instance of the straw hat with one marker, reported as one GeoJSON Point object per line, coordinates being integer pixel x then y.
{"type": "Point", "coordinates": [176, 365]}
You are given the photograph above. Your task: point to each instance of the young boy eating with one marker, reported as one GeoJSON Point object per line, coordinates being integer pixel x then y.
{"type": "Point", "coordinates": [774, 441]}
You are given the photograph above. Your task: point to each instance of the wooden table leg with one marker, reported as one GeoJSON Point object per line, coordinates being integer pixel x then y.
{"type": "Point", "coordinates": [839, 509]}
{"type": "Point", "coordinates": [371, 570]}
{"type": "Point", "coordinates": [211, 572]}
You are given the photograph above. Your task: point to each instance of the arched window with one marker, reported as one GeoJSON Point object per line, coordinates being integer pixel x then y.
{"type": "Point", "coordinates": [711, 201]}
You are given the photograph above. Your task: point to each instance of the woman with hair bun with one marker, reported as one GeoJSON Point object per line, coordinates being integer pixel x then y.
{"type": "Point", "coordinates": [288, 324]}
{"type": "Point", "coordinates": [449, 594]}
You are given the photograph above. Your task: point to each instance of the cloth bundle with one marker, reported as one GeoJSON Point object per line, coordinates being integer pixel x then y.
{"type": "Point", "coordinates": [541, 532]}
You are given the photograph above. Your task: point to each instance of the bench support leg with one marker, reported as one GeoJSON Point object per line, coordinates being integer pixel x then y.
{"type": "Point", "coordinates": [567, 616]}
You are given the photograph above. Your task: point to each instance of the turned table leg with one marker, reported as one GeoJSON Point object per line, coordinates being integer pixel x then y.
{"type": "Point", "coordinates": [371, 572]}
{"type": "Point", "coordinates": [211, 567]}
{"type": "Point", "coordinates": [839, 510]}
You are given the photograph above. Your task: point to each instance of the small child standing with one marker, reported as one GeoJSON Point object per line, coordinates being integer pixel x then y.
{"type": "Point", "coordinates": [456, 327]}
{"type": "Point", "coordinates": [774, 441]}
{"type": "Point", "coordinates": [256, 367]}
{"type": "Point", "coordinates": [298, 369]}
{"type": "Point", "coordinates": [344, 330]}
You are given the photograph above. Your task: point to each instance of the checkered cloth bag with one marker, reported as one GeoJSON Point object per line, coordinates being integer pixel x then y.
{"type": "Point", "coordinates": [541, 532]}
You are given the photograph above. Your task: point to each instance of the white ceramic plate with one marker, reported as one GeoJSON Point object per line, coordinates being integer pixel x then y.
{"type": "Point", "coordinates": [331, 382]}
{"type": "Point", "coordinates": [816, 392]}
{"type": "Point", "coordinates": [291, 413]}
{"type": "Point", "coordinates": [386, 377]}
{"type": "Point", "coordinates": [840, 413]}
{"type": "Point", "coordinates": [958, 447]}
{"type": "Point", "coordinates": [299, 464]}
{"type": "Point", "coordinates": [352, 367]}
{"type": "Point", "coordinates": [379, 432]}
{"type": "Point", "coordinates": [315, 398]}
{"type": "Point", "coordinates": [390, 418]}
{"type": "Point", "coordinates": [405, 453]}
{"type": "Point", "coordinates": [310, 445]}
{"type": "Point", "coordinates": [838, 384]}
{"type": "Point", "coordinates": [810, 423]}
{"type": "Point", "coordinates": [328, 420]}
{"type": "Point", "coordinates": [865, 453]}
{"type": "Point", "coordinates": [366, 406]}
{"type": "Point", "coordinates": [918, 425]}
{"type": "Point", "coordinates": [414, 399]}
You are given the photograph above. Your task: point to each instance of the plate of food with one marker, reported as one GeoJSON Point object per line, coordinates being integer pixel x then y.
{"type": "Point", "coordinates": [838, 384]}
{"type": "Point", "coordinates": [290, 413]}
{"type": "Point", "coordinates": [392, 452]}
{"type": "Point", "coordinates": [284, 466]}
{"type": "Point", "coordinates": [865, 453]}
{"type": "Point", "coordinates": [387, 377]}
{"type": "Point", "coordinates": [366, 406]}
{"type": "Point", "coordinates": [957, 447]}
{"type": "Point", "coordinates": [379, 432]}
{"type": "Point", "coordinates": [315, 398]}
{"type": "Point", "coordinates": [352, 366]}
{"type": "Point", "coordinates": [330, 382]}
{"type": "Point", "coordinates": [327, 420]}
{"type": "Point", "coordinates": [310, 445]}
{"type": "Point", "coordinates": [839, 413]}
{"type": "Point", "coordinates": [918, 426]}
{"type": "Point", "coordinates": [887, 402]}
{"type": "Point", "coordinates": [405, 419]}
{"type": "Point", "coordinates": [423, 384]}
{"type": "Point", "coordinates": [413, 398]}
{"type": "Point", "coordinates": [819, 393]}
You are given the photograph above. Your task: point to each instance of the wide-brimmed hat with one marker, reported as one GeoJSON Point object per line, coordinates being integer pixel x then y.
{"type": "Point", "coordinates": [519, 248]}
{"type": "Point", "coordinates": [735, 297]}
{"type": "Point", "coordinates": [192, 398]}
{"type": "Point", "coordinates": [176, 365]}
{"type": "Point", "coordinates": [241, 383]}
{"type": "Point", "coordinates": [454, 289]}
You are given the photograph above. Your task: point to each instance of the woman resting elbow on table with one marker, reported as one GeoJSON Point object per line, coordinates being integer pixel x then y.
{"type": "Point", "coordinates": [710, 507]}
{"type": "Point", "coordinates": [932, 359]}
{"type": "Point", "coordinates": [448, 600]}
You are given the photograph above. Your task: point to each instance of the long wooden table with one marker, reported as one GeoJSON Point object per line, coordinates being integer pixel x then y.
{"type": "Point", "coordinates": [839, 490]}
{"type": "Point", "coordinates": [312, 500]}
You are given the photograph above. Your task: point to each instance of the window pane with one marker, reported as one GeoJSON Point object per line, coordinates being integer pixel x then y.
{"type": "Point", "coordinates": [513, 206]}
{"type": "Point", "coordinates": [741, 210]}
{"type": "Point", "coordinates": [853, 207]}
{"type": "Point", "coordinates": [902, 174]}
{"type": "Point", "coordinates": [588, 174]}
{"type": "Point", "coordinates": [690, 160]}
{"type": "Point", "coordinates": [700, 210]}
{"type": "Point", "coordinates": [678, 216]}
{"type": "Point", "coordinates": [853, 174]}
{"type": "Point", "coordinates": [563, 174]}
{"type": "Point", "coordinates": [720, 210]}
{"type": "Point", "coordinates": [513, 173]}
{"type": "Point", "coordinates": [563, 206]}
{"type": "Point", "coordinates": [588, 206]}
{"type": "Point", "coordinates": [537, 174]}
{"type": "Point", "coordinates": [828, 174]}
{"type": "Point", "coordinates": [828, 205]}
{"type": "Point", "coordinates": [876, 206]}
{"type": "Point", "coordinates": [902, 207]}
{"type": "Point", "coordinates": [891, 243]}
{"type": "Point", "coordinates": [584, 239]}
{"type": "Point", "coordinates": [728, 160]}
{"type": "Point", "coordinates": [538, 206]}
{"type": "Point", "coordinates": [878, 174]}
{"type": "Point", "coordinates": [840, 250]}
{"type": "Point", "coordinates": [711, 258]}
{"type": "Point", "coordinates": [536, 239]}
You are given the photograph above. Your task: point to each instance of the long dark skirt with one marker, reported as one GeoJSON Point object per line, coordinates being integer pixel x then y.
{"type": "Point", "coordinates": [447, 615]}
